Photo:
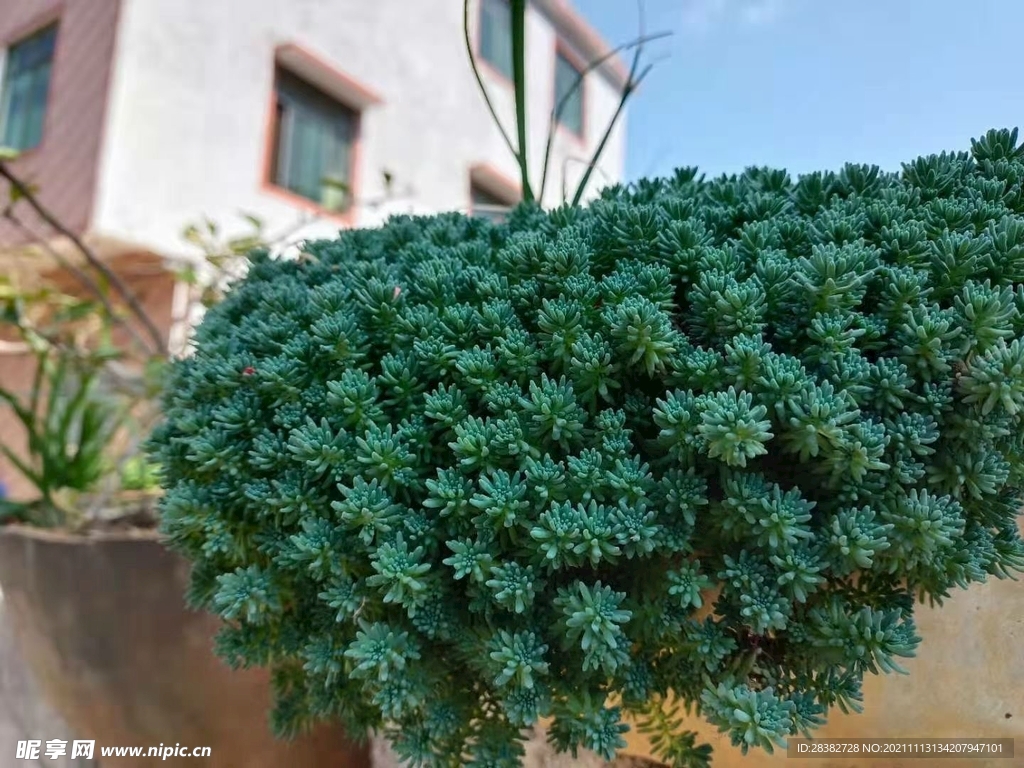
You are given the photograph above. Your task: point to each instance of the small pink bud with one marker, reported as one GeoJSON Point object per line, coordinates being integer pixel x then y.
{"type": "Point", "coordinates": [398, 291]}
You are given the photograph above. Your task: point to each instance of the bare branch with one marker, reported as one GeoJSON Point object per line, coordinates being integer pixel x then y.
{"type": "Point", "coordinates": [565, 169]}
{"type": "Point", "coordinates": [118, 285]}
{"type": "Point", "coordinates": [632, 83]}
{"type": "Point", "coordinates": [80, 275]}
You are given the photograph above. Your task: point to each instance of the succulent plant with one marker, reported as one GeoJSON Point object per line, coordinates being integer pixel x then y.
{"type": "Point", "coordinates": [703, 441]}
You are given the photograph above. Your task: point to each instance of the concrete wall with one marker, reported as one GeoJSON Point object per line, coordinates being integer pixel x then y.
{"type": "Point", "coordinates": [101, 623]}
{"type": "Point", "coordinates": [24, 712]}
{"type": "Point", "coordinates": [966, 682]}
{"type": "Point", "coordinates": [192, 94]}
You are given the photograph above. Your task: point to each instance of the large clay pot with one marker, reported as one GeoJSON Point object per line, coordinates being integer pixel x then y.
{"type": "Point", "coordinates": [101, 621]}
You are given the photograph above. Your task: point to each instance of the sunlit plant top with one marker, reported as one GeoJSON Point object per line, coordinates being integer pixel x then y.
{"type": "Point", "coordinates": [700, 442]}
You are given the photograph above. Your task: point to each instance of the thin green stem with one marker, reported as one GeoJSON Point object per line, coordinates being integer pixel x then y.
{"type": "Point", "coordinates": [519, 80]}
{"type": "Point", "coordinates": [631, 85]}
{"type": "Point", "coordinates": [607, 134]}
{"type": "Point", "coordinates": [556, 113]}
{"type": "Point", "coordinates": [480, 81]}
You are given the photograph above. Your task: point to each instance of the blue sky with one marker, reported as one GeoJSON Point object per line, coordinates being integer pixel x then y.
{"type": "Point", "coordinates": [811, 84]}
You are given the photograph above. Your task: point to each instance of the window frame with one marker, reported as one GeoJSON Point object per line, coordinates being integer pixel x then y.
{"type": "Point", "coordinates": [495, 69]}
{"type": "Point", "coordinates": [344, 214]}
{"type": "Point", "coordinates": [564, 52]}
{"type": "Point", "coordinates": [492, 183]}
{"type": "Point", "coordinates": [47, 23]}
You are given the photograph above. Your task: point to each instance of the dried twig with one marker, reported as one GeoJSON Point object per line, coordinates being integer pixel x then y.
{"type": "Point", "coordinates": [569, 160]}
{"type": "Point", "coordinates": [24, 192]}
{"type": "Point", "coordinates": [630, 87]}
{"type": "Point", "coordinates": [83, 277]}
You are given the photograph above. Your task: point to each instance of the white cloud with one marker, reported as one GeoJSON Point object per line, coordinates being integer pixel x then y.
{"type": "Point", "coordinates": [703, 14]}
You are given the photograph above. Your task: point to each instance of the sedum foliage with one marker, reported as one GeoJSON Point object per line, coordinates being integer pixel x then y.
{"type": "Point", "coordinates": [702, 444]}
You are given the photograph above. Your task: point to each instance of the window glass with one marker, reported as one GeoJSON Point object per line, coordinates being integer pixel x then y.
{"type": "Point", "coordinates": [25, 89]}
{"type": "Point", "coordinates": [566, 75]}
{"type": "Point", "coordinates": [314, 139]}
{"type": "Point", "coordinates": [496, 35]}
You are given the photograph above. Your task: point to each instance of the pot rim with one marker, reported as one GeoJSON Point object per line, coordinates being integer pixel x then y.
{"type": "Point", "coordinates": [60, 536]}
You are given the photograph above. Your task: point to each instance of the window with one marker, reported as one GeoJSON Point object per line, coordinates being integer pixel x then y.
{"type": "Point", "coordinates": [496, 35]}
{"type": "Point", "coordinates": [566, 75]}
{"type": "Point", "coordinates": [491, 193]}
{"type": "Point", "coordinates": [487, 205]}
{"type": "Point", "coordinates": [26, 84]}
{"type": "Point", "coordinates": [314, 139]}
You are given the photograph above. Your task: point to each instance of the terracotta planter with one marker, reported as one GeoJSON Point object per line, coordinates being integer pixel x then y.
{"type": "Point", "coordinates": [102, 623]}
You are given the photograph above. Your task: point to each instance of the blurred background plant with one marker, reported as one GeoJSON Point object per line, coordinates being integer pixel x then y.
{"type": "Point", "coordinates": [97, 357]}
{"type": "Point", "coordinates": [84, 410]}
{"type": "Point", "coordinates": [94, 358]}
{"type": "Point", "coordinates": [72, 408]}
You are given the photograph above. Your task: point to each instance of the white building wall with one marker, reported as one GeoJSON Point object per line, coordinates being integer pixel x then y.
{"type": "Point", "coordinates": [187, 126]}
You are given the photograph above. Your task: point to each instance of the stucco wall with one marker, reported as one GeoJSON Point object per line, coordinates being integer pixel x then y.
{"type": "Point", "coordinates": [63, 167]}
{"type": "Point", "coordinates": [191, 98]}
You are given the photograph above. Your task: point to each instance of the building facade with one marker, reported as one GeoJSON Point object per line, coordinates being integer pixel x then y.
{"type": "Point", "coordinates": [138, 117]}
{"type": "Point", "coordinates": [133, 119]}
